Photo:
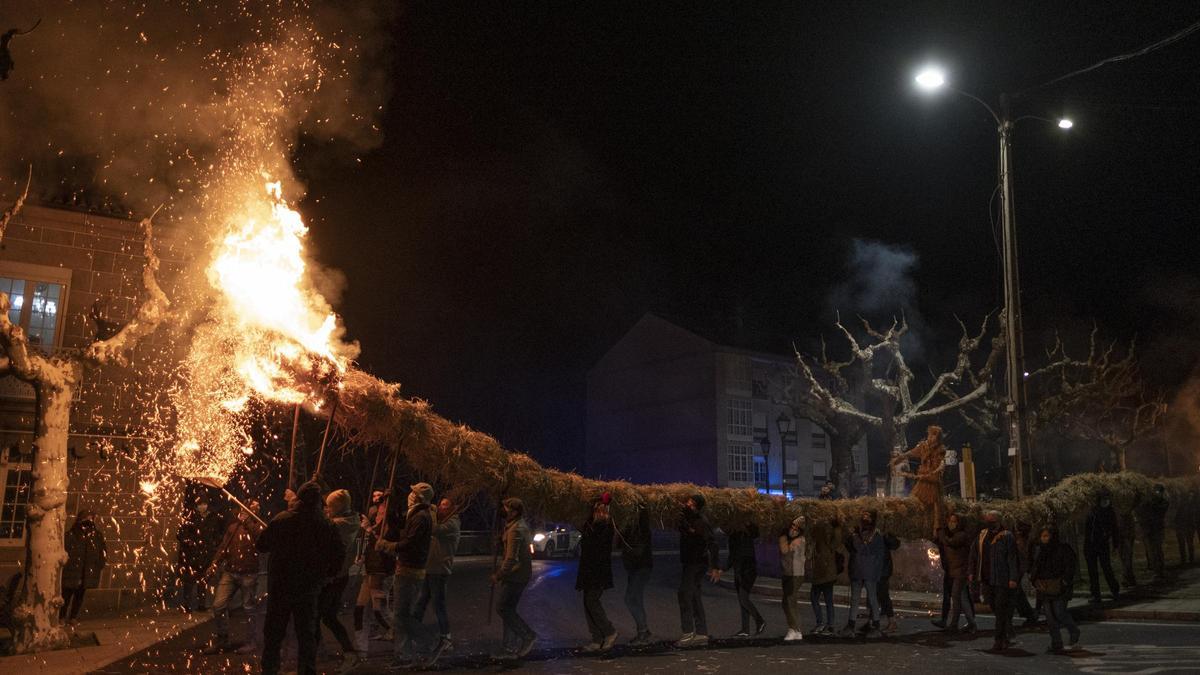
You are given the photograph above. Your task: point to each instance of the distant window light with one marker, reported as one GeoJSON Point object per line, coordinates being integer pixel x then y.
{"type": "Point", "coordinates": [819, 471]}
{"type": "Point", "coordinates": [760, 471]}
{"type": "Point", "coordinates": [739, 458]}
{"type": "Point", "coordinates": [739, 416]}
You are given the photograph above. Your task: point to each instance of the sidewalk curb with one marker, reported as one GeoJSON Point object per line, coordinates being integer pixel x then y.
{"type": "Point", "coordinates": [934, 604]}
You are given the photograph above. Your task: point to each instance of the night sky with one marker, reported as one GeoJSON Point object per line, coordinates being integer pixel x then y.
{"type": "Point", "coordinates": [551, 171]}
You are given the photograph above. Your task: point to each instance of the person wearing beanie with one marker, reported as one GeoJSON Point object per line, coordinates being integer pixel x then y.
{"type": "Point", "coordinates": [446, 531]}
{"type": "Point", "coordinates": [413, 643]}
{"type": "Point", "coordinates": [306, 553]}
{"type": "Point", "coordinates": [338, 508]}
{"type": "Point", "coordinates": [698, 553]}
{"type": "Point", "coordinates": [512, 577]}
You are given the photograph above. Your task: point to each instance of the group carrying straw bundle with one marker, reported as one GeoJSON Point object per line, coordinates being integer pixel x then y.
{"type": "Point", "coordinates": [470, 462]}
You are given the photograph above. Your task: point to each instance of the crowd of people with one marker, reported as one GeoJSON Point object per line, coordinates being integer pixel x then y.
{"type": "Point", "coordinates": [403, 557]}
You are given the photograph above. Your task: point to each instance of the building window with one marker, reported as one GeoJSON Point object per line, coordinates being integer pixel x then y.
{"type": "Point", "coordinates": [818, 441]}
{"type": "Point", "coordinates": [739, 462]}
{"type": "Point", "coordinates": [15, 479]}
{"type": "Point", "coordinates": [760, 471]}
{"type": "Point", "coordinates": [37, 297]}
{"type": "Point", "coordinates": [819, 471]}
{"type": "Point", "coordinates": [737, 374]}
{"type": "Point", "coordinates": [739, 416]}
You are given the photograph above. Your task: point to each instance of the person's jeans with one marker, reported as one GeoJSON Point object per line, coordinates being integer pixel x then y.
{"type": "Point", "coordinates": [791, 588]}
{"type": "Point", "coordinates": [516, 630]}
{"type": "Point", "coordinates": [409, 633]}
{"type": "Point", "coordinates": [818, 593]}
{"type": "Point", "coordinates": [691, 605]}
{"type": "Point", "coordinates": [434, 589]}
{"type": "Point", "coordinates": [328, 605]}
{"type": "Point", "coordinates": [597, 619]}
{"type": "Point", "coordinates": [72, 601]}
{"type": "Point", "coordinates": [961, 603]}
{"type": "Point", "coordinates": [1003, 604]}
{"type": "Point", "coordinates": [1058, 617]}
{"type": "Point", "coordinates": [1102, 559]}
{"type": "Point", "coordinates": [229, 584]}
{"type": "Point", "coordinates": [635, 597]}
{"type": "Point", "coordinates": [743, 583]}
{"type": "Point", "coordinates": [301, 610]}
{"type": "Point", "coordinates": [856, 588]}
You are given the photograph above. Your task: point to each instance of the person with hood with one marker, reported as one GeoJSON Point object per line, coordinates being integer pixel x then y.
{"type": "Point", "coordinates": [1156, 526]}
{"type": "Point", "coordinates": [884, 589]}
{"type": "Point", "coordinates": [377, 568]}
{"type": "Point", "coordinates": [698, 554]}
{"type": "Point", "coordinates": [87, 555]}
{"type": "Point", "coordinates": [595, 575]}
{"type": "Point", "coordinates": [339, 510]}
{"type": "Point", "coordinates": [512, 577]}
{"type": "Point", "coordinates": [743, 562]}
{"type": "Point", "coordinates": [305, 553]}
{"type": "Point", "coordinates": [823, 542]}
{"type": "Point", "coordinates": [1100, 537]}
{"type": "Point", "coordinates": [638, 556]}
{"type": "Point", "coordinates": [955, 543]}
{"type": "Point", "coordinates": [996, 562]}
{"type": "Point", "coordinates": [446, 530]}
{"type": "Point", "coordinates": [1052, 572]}
{"type": "Point", "coordinates": [868, 553]}
{"type": "Point", "coordinates": [198, 537]}
{"type": "Point", "coordinates": [793, 560]}
{"type": "Point", "coordinates": [412, 641]}
{"type": "Point", "coordinates": [236, 563]}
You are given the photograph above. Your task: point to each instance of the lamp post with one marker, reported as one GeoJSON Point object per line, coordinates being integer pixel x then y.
{"type": "Point", "coordinates": [785, 425]}
{"type": "Point", "coordinates": [933, 79]}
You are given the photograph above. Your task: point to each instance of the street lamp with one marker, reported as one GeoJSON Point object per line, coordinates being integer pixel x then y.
{"type": "Point", "coordinates": [785, 425]}
{"type": "Point", "coordinates": [931, 79]}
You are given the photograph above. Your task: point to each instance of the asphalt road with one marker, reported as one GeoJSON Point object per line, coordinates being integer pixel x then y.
{"type": "Point", "coordinates": [554, 609]}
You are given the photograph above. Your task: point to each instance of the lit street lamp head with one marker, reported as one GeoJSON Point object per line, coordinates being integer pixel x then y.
{"type": "Point", "coordinates": [1065, 123]}
{"type": "Point", "coordinates": [930, 78]}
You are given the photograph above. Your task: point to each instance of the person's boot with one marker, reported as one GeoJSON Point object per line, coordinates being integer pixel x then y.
{"type": "Point", "coordinates": [891, 625]}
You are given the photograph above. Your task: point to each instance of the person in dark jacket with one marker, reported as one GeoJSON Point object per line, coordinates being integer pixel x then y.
{"type": "Point", "coordinates": [743, 561]}
{"type": "Point", "coordinates": [996, 561]}
{"type": "Point", "coordinates": [1053, 574]}
{"type": "Point", "coordinates": [828, 491]}
{"type": "Point", "coordinates": [512, 577]}
{"type": "Point", "coordinates": [236, 561]}
{"type": "Point", "coordinates": [883, 591]}
{"type": "Point", "coordinates": [339, 509]}
{"type": "Point", "coordinates": [1023, 534]}
{"type": "Point", "coordinates": [595, 575]}
{"type": "Point", "coordinates": [698, 553]}
{"type": "Point", "coordinates": [868, 552]}
{"type": "Point", "coordinates": [1186, 508]}
{"type": "Point", "coordinates": [413, 641]}
{"type": "Point", "coordinates": [1155, 516]}
{"type": "Point", "coordinates": [955, 543]}
{"type": "Point", "coordinates": [638, 556]}
{"type": "Point", "coordinates": [305, 553]}
{"type": "Point", "coordinates": [824, 541]}
{"type": "Point", "coordinates": [86, 556]}
{"type": "Point", "coordinates": [446, 532]}
{"type": "Point", "coordinates": [1100, 537]}
{"type": "Point", "coordinates": [198, 537]}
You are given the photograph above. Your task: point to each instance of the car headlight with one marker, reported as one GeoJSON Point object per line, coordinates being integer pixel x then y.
{"type": "Point", "coordinates": [539, 537]}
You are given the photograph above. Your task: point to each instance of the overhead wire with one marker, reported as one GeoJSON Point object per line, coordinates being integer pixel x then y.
{"type": "Point", "coordinates": [1169, 40]}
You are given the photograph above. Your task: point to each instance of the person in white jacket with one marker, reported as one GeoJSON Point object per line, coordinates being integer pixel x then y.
{"type": "Point", "coordinates": [792, 553]}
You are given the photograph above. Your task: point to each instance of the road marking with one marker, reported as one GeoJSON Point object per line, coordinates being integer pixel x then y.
{"type": "Point", "coordinates": [1138, 659]}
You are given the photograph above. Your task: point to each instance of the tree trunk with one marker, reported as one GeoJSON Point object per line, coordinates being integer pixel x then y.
{"type": "Point", "coordinates": [899, 445]}
{"type": "Point", "coordinates": [36, 616]}
{"type": "Point", "coordinates": [1119, 451]}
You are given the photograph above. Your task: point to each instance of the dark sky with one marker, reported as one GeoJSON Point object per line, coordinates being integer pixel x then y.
{"type": "Point", "coordinates": [550, 171]}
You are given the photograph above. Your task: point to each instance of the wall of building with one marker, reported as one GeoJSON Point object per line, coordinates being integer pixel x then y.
{"type": "Point", "coordinates": [98, 257]}
{"type": "Point", "coordinates": [650, 411]}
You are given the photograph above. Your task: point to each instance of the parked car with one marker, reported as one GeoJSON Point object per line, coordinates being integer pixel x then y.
{"type": "Point", "coordinates": [555, 540]}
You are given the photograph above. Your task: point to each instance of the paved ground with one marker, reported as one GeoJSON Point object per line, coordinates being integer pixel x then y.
{"type": "Point", "coordinates": [554, 609]}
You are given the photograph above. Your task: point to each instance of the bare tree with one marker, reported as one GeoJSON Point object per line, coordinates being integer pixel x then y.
{"type": "Point", "coordinates": [834, 393]}
{"type": "Point", "coordinates": [55, 379]}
